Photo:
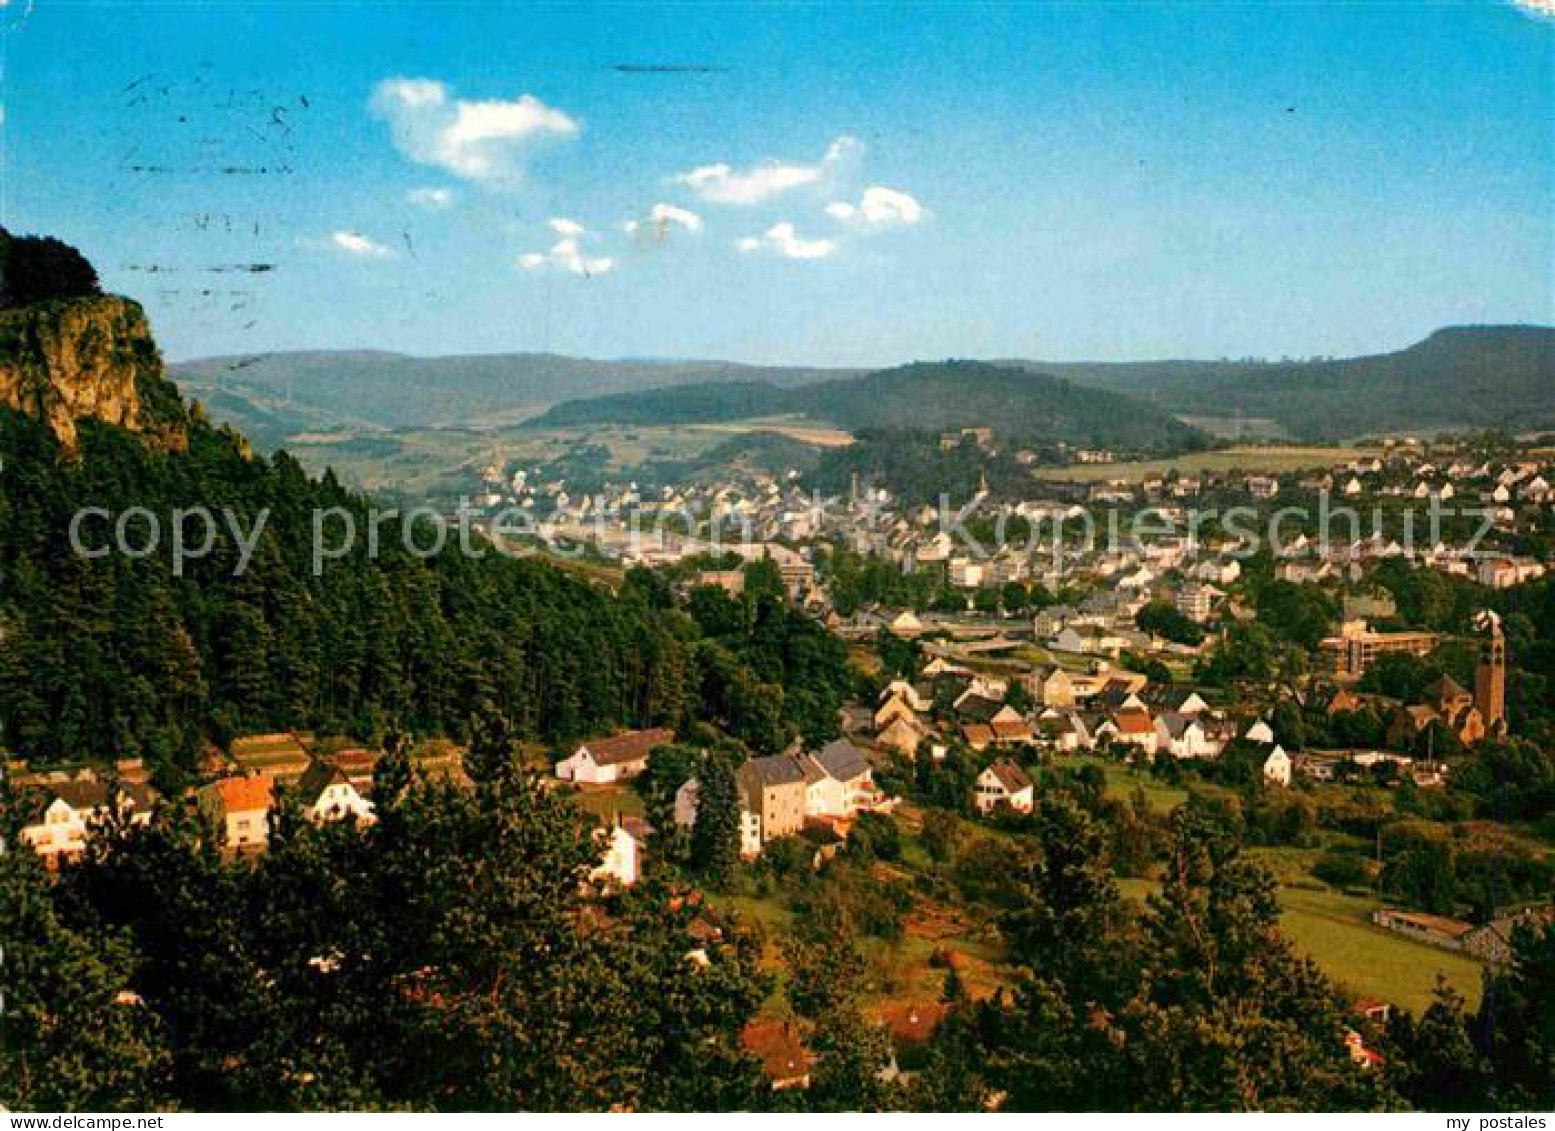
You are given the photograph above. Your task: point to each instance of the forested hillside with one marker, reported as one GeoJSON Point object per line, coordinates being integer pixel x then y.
{"type": "Point", "coordinates": [1459, 378]}
{"type": "Point", "coordinates": [1021, 407]}
{"type": "Point", "coordinates": [116, 655]}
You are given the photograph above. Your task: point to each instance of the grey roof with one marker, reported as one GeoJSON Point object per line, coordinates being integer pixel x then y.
{"type": "Point", "coordinates": [979, 708]}
{"type": "Point", "coordinates": [1115, 694]}
{"type": "Point", "coordinates": [842, 760]}
{"type": "Point", "coordinates": [1175, 722]}
{"type": "Point", "coordinates": [1172, 698]}
{"type": "Point", "coordinates": [776, 769]}
{"type": "Point", "coordinates": [83, 794]}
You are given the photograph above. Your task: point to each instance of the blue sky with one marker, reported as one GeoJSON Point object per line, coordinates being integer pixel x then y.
{"type": "Point", "coordinates": [858, 184]}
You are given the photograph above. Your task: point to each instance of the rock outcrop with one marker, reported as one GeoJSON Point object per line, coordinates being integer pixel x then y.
{"type": "Point", "coordinates": [89, 358]}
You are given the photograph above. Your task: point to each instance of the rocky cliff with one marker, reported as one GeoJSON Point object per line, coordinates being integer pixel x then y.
{"type": "Point", "coordinates": [90, 358]}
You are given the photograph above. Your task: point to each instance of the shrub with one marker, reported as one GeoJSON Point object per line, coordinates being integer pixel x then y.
{"type": "Point", "coordinates": [1341, 870]}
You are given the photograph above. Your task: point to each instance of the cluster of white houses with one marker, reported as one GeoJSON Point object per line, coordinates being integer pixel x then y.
{"type": "Point", "coordinates": [66, 805]}
{"type": "Point", "coordinates": [1070, 712]}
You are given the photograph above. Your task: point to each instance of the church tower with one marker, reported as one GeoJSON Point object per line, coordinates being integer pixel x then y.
{"type": "Point", "coordinates": [1490, 680]}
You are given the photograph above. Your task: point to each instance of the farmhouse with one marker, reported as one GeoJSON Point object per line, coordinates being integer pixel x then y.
{"type": "Point", "coordinates": [622, 756]}
{"type": "Point", "coordinates": [66, 809]}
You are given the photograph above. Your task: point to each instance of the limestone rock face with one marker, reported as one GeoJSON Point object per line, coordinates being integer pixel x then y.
{"type": "Point", "coordinates": [85, 359]}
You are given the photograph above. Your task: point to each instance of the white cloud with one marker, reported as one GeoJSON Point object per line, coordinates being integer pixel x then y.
{"type": "Point", "coordinates": [669, 214]}
{"type": "Point", "coordinates": [432, 199]}
{"type": "Point", "coordinates": [661, 218]}
{"type": "Point", "coordinates": [878, 209]}
{"type": "Point", "coordinates": [1545, 8]}
{"type": "Point", "coordinates": [567, 253]}
{"type": "Point", "coordinates": [723, 184]}
{"type": "Point", "coordinates": [782, 239]}
{"type": "Point", "coordinates": [485, 141]}
{"type": "Point", "coordinates": [354, 243]}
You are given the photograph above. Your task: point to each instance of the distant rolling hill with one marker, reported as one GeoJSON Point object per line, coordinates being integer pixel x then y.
{"type": "Point", "coordinates": [1460, 377]}
{"type": "Point", "coordinates": [922, 396]}
{"type": "Point", "coordinates": [274, 395]}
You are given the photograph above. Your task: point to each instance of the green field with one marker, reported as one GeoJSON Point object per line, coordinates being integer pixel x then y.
{"type": "Point", "coordinates": [609, 802]}
{"type": "Point", "coordinates": [1335, 930]}
{"type": "Point", "coordinates": [1122, 781]}
{"type": "Point", "coordinates": [794, 427]}
{"type": "Point", "coordinates": [1268, 460]}
{"type": "Point", "coordinates": [425, 463]}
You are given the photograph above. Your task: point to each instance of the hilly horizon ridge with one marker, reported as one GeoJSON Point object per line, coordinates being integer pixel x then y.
{"type": "Point", "coordinates": [1462, 376]}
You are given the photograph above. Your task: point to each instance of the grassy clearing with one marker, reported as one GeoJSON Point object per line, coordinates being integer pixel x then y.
{"type": "Point", "coordinates": [795, 428]}
{"type": "Point", "coordinates": [426, 462]}
{"type": "Point", "coordinates": [608, 802]}
{"type": "Point", "coordinates": [1335, 930]}
{"type": "Point", "coordinates": [1122, 781]}
{"type": "Point", "coordinates": [1271, 459]}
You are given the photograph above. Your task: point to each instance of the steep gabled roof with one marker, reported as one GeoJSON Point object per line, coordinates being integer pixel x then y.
{"type": "Point", "coordinates": [842, 760]}
{"type": "Point", "coordinates": [318, 777]}
{"type": "Point", "coordinates": [1446, 690]}
{"type": "Point", "coordinates": [1009, 775]}
{"type": "Point", "coordinates": [1175, 723]}
{"type": "Point", "coordinates": [81, 794]}
{"type": "Point", "coordinates": [977, 735]}
{"type": "Point", "coordinates": [979, 708]}
{"type": "Point", "coordinates": [1171, 698]}
{"type": "Point", "coordinates": [85, 794]}
{"type": "Point", "coordinates": [1011, 729]}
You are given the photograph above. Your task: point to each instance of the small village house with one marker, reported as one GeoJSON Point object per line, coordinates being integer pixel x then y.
{"type": "Point", "coordinates": [1277, 767]}
{"type": "Point", "coordinates": [325, 793]}
{"type": "Point", "coordinates": [65, 811]}
{"type": "Point", "coordinates": [241, 806]}
{"type": "Point", "coordinates": [604, 760]}
{"type": "Point", "coordinates": [1004, 784]}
